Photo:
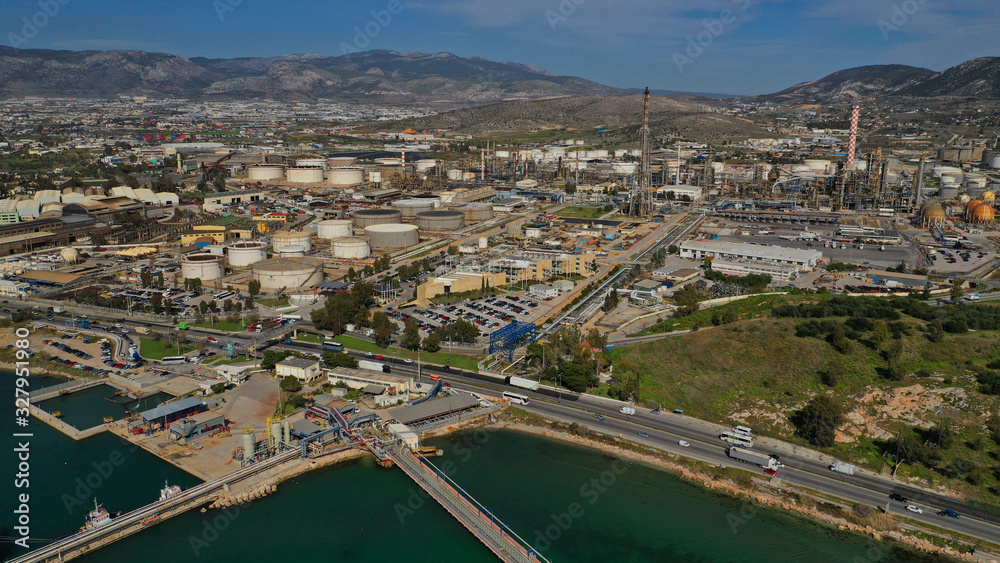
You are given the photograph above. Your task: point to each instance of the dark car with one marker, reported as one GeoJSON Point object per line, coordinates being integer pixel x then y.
{"type": "Point", "coordinates": [598, 417]}
{"type": "Point", "coordinates": [897, 497]}
{"type": "Point", "coordinates": [950, 513]}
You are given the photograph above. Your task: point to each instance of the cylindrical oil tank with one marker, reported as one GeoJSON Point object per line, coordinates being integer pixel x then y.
{"type": "Point", "coordinates": [244, 254]}
{"type": "Point", "coordinates": [392, 235]}
{"type": "Point", "coordinates": [624, 168]}
{"type": "Point", "coordinates": [304, 175]}
{"type": "Point", "coordinates": [347, 176]}
{"type": "Point", "coordinates": [440, 220]}
{"type": "Point", "coordinates": [975, 181]}
{"type": "Point", "coordinates": [375, 176]}
{"type": "Point", "coordinates": [290, 273]}
{"type": "Point", "coordinates": [425, 164]}
{"type": "Point", "coordinates": [368, 217]}
{"type": "Point", "coordinates": [389, 161]}
{"type": "Point", "coordinates": [476, 211]}
{"type": "Point", "coordinates": [340, 161]}
{"type": "Point", "coordinates": [266, 172]}
{"type": "Point", "coordinates": [976, 193]}
{"type": "Point", "coordinates": [292, 251]}
{"type": "Point", "coordinates": [434, 198]}
{"type": "Point", "coordinates": [351, 248]}
{"type": "Point", "coordinates": [311, 163]}
{"type": "Point", "coordinates": [948, 192]}
{"type": "Point", "coordinates": [206, 267]}
{"type": "Point", "coordinates": [249, 440]}
{"type": "Point", "coordinates": [455, 174]}
{"type": "Point", "coordinates": [334, 228]}
{"type": "Point", "coordinates": [283, 239]}
{"type": "Point", "coordinates": [409, 208]}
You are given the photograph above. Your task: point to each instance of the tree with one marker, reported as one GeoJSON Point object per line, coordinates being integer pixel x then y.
{"type": "Point", "coordinates": [291, 384]}
{"type": "Point", "coordinates": [452, 250]}
{"type": "Point", "coordinates": [383, 336]}
{"type": "Point", "coordinates": [838, 339]}
{"type": "Point", "coordinates": [271, 358]}
{"type": "Point", "coordinates": [411, 335]}
{"type": "Point", "coordinates": [956, 291]}
{"type": "Point", "coordinates": [433, 342]}
{"type": "Point", "coordinates": [687, 300]}
{"type": "Point", "coordinates": [156, 302]}
{"type": "Point", "coordinates": [218, 388]}
{"type": "Point", "coordinates": [339, 359]}
{"type": "Point", "coordinates": [817, 422]}
{"type": "Point", "coordinates": [880, 335]}
{"type": "Point", "coordinates": [253, 288]}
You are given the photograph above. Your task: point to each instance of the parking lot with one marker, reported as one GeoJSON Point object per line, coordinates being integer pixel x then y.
{"type": "Point", "coordinates": [487, 313]}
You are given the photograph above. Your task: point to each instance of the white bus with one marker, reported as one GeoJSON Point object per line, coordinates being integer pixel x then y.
{"type": "Point", "coordinates": [515, 398]}
{"type": "Point", "coordinates": [743, 431]}
{"type": "Point", "coordinates": [736, 439]}
{"type": "Point", "coordinates": [173, 360]}
{"type": "Point", "coordinates": [224, 295]}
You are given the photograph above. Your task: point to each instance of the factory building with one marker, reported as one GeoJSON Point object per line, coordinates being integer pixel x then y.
{"type": "Point", "coordinates": [739, 252]}
{"type": "Point", "coordinates": [221, 200]}
{"type": "Point", "coordinates": [778, 272]}
{"type": "Point", "coordinates": [534, 265]}
{"type": "Point", "coordinates": [543, 291]}
{"type": "Point", "coordinates": [306, 371]}
{"type": "Point", "coordinates": [459, 282]}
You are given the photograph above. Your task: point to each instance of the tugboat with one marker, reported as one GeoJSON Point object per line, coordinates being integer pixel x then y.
{"type": "Point", "coordinates": [98, 517]}
{"type": "Point", "coordinates": [169, 491]}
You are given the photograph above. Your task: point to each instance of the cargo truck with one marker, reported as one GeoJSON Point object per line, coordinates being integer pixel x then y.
{"type": "Point", "coordinates": [841, 467]}
{"type": "Point", "coordinates": [374, 366]}
{"type": "Point", "coordinates": [142, 330]}
{"type": "Point", "coordinates": [521, 382]}
{"type": "Point", "coordinates": [756, 458]}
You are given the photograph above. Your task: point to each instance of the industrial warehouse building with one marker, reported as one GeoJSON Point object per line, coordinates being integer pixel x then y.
{"type": "Point", "coordinates": [359, 379]}
{"type": "Point", "coordinates": [739, 252]}
{"type": "Point", "coordinates": [543, 291]}
{"type": "Point", "coordinates": [300, 368]}
{"type": "Point", "coordinates": [778, 272]}
{"type": "Point", "coordinates": [459, 282]}
{"type": "Point", "coordinates": [534, 265]}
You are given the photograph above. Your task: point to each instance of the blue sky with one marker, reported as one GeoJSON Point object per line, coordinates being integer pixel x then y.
{"type": "Point", "coordinates": [747, 46]}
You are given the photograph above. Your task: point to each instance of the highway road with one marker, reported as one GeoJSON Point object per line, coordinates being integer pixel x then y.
{"type": "Point", "coordinates": [803, 468]}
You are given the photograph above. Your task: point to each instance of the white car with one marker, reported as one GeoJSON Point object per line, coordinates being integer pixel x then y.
{"type": "Point", "coordinates": [684, 443]}
{"type": "Point", "coordinates": [407, 361]}
{"type": "Point", "coordinates": [119, 325]}
{"type": "Point", "coordinates": [914, 508]}
{"type": "Point", "coordinates": [369, 354]}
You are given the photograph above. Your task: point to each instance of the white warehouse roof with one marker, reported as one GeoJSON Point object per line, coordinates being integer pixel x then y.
{"type": "Point", "coordinates": [743, 251]}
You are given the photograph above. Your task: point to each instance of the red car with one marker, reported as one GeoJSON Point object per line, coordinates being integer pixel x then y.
{"type": "Point", "coordinates": [211, 339]}
{"type": "Point", "coordinates": [379, 357]}
{"type": "Point", "coordinates": [770, 471]}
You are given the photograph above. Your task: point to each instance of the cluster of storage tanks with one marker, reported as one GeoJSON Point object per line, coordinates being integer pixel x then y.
{"type": "Point", "coordinates": [336, 171]}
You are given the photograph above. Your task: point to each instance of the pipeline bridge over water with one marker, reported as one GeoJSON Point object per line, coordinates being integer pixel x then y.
{"type": "Point", "coordinates": [366, 432]}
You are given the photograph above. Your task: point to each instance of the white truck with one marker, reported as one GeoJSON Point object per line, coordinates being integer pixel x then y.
{"type": "Point", "coordinates": [841, 467]}
{"type": "Point", "coordinates": [629, 411]}
{"type": "Point", "coordinates": [521, 382]}
{"type": "Point", "coordinates": [972, 297]}
{"type": "Point", "coordinates": [374, 366]}
{"type": "Point", "coordinates": [749, 456]}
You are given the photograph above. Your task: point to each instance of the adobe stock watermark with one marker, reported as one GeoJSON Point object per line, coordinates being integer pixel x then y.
{"type": "Point", "coordinates": [31, 25]}
{"type": "Point", "coordinates": [223, 7]}
{"type": "Point", "coordinates": [899, 16]}
{"type": "Point", "coordinates": [212, 528]}
{"type": "Point", "coordinates": [363, 35]}
{"type": "Point", "coordinates": [417, 497]}
{"type": "Point", "coordinates": [562, 12]}
{"type": "Point", "coordinates": [591, 491]}
{"type": "Point", "coordinates": [714, 28]}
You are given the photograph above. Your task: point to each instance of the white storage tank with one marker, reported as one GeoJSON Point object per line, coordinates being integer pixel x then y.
{"type": "Point", "coordinates": [624, 168]}
{"type": "Point", "coordinates": [410, 207]}
{"type": "Point", "coordinates": [263, 172]}
{"type": "Point", "coordinates": [347, 176]}
{"type": "Point", "coordinates": [440, 220]}
{"type": "Point", "coordinates": [368, 217]}
{"type": "Point", "coordinates": [206, 267]}
{"type": "Point", "coordinates": [244, 254]}
{"type": "Point", "coordinates": [292, 251]}
{"type": "Point", "coordinates": [819, 166]}
{"type": "Point", "coordinates": [311, 163]}
{"type": "Point", "coordinates": [455, 174]}
{"type": "Point", "coordinates": [975, 181]}
{"type": "Point", "coordinates": [375, 176]}
{"type": "Point", "coordinates": [351, 248]}
{"type": "Point", "coordinates": [425, 164]}
{"type": "Point", "coordinates": [334, 228]}
{"type": "Point", "coordinates": [433, 198]}
{"type": "Point", "coordinates": [284, 239]}
{"type": "Point", "coordinates": [340, 161]}
{"type": "Point", "coordinates": [289, 273]}
{"type": "Point", "coordinates": [304, 175]}
{"type": "Point", "coordinates": [392, 235]}
{"type": "Point", "coordinates": [476, 211]}
{"type": "Point", "coordinates": [389, 161]}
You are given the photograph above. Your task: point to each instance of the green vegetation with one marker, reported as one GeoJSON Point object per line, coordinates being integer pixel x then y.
{"type": "Point", "coordinates": [581, 212]}
{"type": "Point", "coordinates": [841, 267]}
{"type": "Point", "coordinates": [753, 282]}
{"type": "Point", "coordinates": [446, 298]}
{"type": "Point", "coordinates": [272, 303]}
{"type": "Point", "coordinates": [220, 324]}
{"type": "Point", "coordinates": [459, 361]}
{"type": "Point", "coordinates": [309, 337]}
{"type": "Point", "coordinates": [755, 307]}
{"type": "Point", "coordinates": [158, 349]}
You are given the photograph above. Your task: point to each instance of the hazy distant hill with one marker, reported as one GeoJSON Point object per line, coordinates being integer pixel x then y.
{"type": "Point", "coordinates": [617, 117]}
{"type": "Point", "coordinates": [979, 78]}
{"type": "Point", "coordinates": [372, 76]}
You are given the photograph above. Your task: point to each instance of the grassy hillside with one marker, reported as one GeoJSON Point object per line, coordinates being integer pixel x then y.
{"type": "Point", "coordinates": [760, 372]}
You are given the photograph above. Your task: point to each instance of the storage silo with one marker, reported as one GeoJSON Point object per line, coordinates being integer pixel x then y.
{"type": "Point", "coordinates": [244, 254]}
{"type": "Point", "coordinates": [425, 164]}
{"type": "Point", "coordinates": [263, 172]}
{"type": "Point", "coordinates": [289, 273]}
{"type": "Point", "coordinates": [351, 248]}
{"type": "Point", "coordinates": [455, 174]}
{"type": "Point", "coordinates": [436, 199]}
{"type": "Point", "coordinates": [292, 252]}
{"type": "Point", "coordinates": [476, 211]}
{"type": "Point", "coordinates": [206, 267]}
{"type": "Point", "coordinates": [409, 208]}
{"type": "Point", "coordinates": [249, 443]}
{"type": "Point", "coordinates": [311, 163]}
{"type": "Point", "coordinates": [392, 235]}
{"type": "Point", "coordinates": [340, 161]}
{"type": "Point", "coordinates": [334, 228]}
{"type": "Point", "coordinates": [275, 433]}
{"type": "Point", "coordinates": [368, 217]}
{"type": "Point", "coordinates": [346, 176]}
{"type": "Point", "coordinates": [304, 175]}
{"type": "Point", "coordinates": [283, 239]}
{"type": "Point", "coordinates": [440, 220]}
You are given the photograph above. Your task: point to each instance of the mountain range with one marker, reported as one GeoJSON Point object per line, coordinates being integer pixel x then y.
{"type": "Point", "coordinates": [370, 76]}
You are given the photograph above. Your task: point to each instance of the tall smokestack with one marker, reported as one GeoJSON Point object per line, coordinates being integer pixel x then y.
{"type": "Point", "coordinates": [852, 145]}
